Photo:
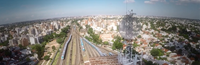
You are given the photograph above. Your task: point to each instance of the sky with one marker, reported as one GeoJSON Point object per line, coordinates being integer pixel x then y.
{"type": "Point", "coordinates": [25, 10]}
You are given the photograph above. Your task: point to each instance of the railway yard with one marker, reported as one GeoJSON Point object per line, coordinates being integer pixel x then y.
{"type": "Point", "coordinates": [75, 55]}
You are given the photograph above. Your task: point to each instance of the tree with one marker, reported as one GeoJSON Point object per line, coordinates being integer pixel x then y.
{"type": "Point", "coordinates": [80, 28]}
{"type": "Point", "coordinates": [135, 45]}
{"type": "Point", "coordinates": [106, 43]}
{"type": "Point", "coordinates": [96, 38]}
{"type": "Point", "coordinates": [62, 34]}
{"type": "Point", "coordinates": [88, 38]}
{"type": "Point", "coordinates": [179, 51]}
{"type": "Point", "coordinates": [197, 46]}
{"type": "Point", "coordinates": [149, 62]}
{"type": "Point", "coordinates": [20, 45]}
{"type": "Point", "coordinates": [87, 26]}
{"type": "Point", "coordinates": [196, 63]}
{"type": "Point", "coordinates": [46, 58]}
{"type": "Point", "coordinates": [172, 48]}
{"type": "Point", "coordinates": [4, 43]}
{"type": "Point", "coordinates": [1, 58]}
{"type": "Point", "coordinates": [134, 51]}
{"type": "Point", "coordinates": [46, 38]}
{"type": "Point", "coordinates": [51, 36]}
{"type": "Point", "coordinates": [139, 36]}
{"type": "Point", "coordinates": [90, 31]}
{"type": "Point", "coordinates": [39, 50]}
{"type": "Point", "coordinates": [28, 59]}
{"type": "Point", "coordinates": [54, 48]}
{"type": "Point", "coordinates": [8, 52]}
{"type": "Point", "coordinates": [43, 44]}
{"type": "Point", "coordinates": [113, 48]}
{"type": "Point", "coordinates": [156, 52]}
{"type": "Point", "coordinates": [117, 43]}
{"type": "Point", "coordinates": [59, 40]}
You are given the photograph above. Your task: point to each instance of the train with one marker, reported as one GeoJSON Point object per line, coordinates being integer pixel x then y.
{"type": "Point", "coordinates": [100, 53]}
{"type": "Point", "coordinates": [65, 47]}
{"type": "Point", "coordinates": [74, 27]}
{"type": "Point", "coordinates": [82, 44]}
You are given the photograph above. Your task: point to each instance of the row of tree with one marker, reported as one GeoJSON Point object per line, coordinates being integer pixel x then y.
{"type": "Point", "coordinates": [117, 43]}
{"type": "Point", "coordinates": [93, 37]}
{"type": "Point", "coordinates": [40, 48]}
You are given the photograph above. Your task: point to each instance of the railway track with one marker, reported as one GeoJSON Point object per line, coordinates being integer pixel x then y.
{"type": "Point", "coordinates": [90, 50]}
{"type": "Point", "coordinates": [79, 57]}
{"type": "Point", "coordinates": [87, 50]}
{"type": "Point", "coordinates": [72, 49]}
{"type": "Point", "coordinates": [60, 62]}
{"type": "Point", "coordinates": [63, 62]}
{"type": "Point", "coordinates": [68, 55]}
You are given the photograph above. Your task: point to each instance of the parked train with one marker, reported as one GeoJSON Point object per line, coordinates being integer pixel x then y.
{"type": "Point", "coordinates": [82, 44]}
{"type": "Point", "coordinates": [65, 47]}
{"type": "Point", "coordinates": [100, 53]}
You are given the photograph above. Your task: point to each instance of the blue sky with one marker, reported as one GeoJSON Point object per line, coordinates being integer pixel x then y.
{"type": "Point", "coordinates": [24, 10]}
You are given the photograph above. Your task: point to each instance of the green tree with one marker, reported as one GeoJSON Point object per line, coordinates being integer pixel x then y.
{"type": "Point", "coordinates": [28, 59]}
{"type": "Point", "coordinates": [134, 51]}
{"type": "Point", "coordinates": [8, 53]}
{"type": "Point", "coordinates": [62, 34]}
{"type": "Point", "coordinates": [139, 36]}
{"type": "Point", "coordinates": [196, 63]}
{"type": "Point", "coordinates": [106, 43]}
{"type": "Point", "coordinates": [156, 52]}
{"type": "Point", "coordinates": [96, 38]}
{"type": "Point", "coordinates": [46, 58]}
{"type": "Point", "coordinates": [59, 40]}
{"type": "Point", "coordinates": [1, 58]}
{"type": "Point", "coordinates": [113, 48]}
{"type": "Point", "coordinates": [80, 28]}
{"type": "Point", "coordinates": [197, 46]}
{"type": "Point", "coordinates": [117, 43]}
{"type": "Point", "coordinates": [149, 62]}
{"type": "Point", "coordinates": [43, 44]}
{"type": "Point", "coordinates": [88, 38]}
{"type": "Point", "coordinates": [90, 31]}
{"type": "Point", "coordinates": [39, 50]}
{"type": "Point", "coordinates": [20, 45]}
{"type": "Point", "coordinates": [46, 38]}
{"type": "Point", "coordinates": [87, 26]}
{"type": "Point", "coordinates": [54, 48]}
{"type": "Point", "coordinates": [135, 45]}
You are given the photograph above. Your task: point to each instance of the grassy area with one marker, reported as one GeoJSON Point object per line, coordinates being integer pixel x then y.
{"type": "Point", "coordinates": [58, 55]}
{"type": "Point", "coordinates": [56, 59]}
{"type": "Point", "coordinates": [74, 52]}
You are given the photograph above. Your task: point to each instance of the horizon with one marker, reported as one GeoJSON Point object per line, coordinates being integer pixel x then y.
{"type": "Point", "coordinates": [89, 15]}
{"type": "Point", "coordinates": [22, 10]}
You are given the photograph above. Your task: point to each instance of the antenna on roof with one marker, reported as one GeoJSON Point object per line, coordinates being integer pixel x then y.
{"type": "Point", "coordinates": [126, 8]}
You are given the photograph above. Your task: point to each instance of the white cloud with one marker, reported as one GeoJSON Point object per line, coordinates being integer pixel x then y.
{"type": "Point", "coordinates": [154, 1]}
{"type": "Point", "coordinates": [148, 2]}
{"type": "Point", "coordinates": [180, 2]}
{"type": "Point", "coordinates": [32, 15]}
{"type": "Point", "coordinates": [129, 1]}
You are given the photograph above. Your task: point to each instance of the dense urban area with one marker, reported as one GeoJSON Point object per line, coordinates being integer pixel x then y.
{"type": "Point", "coordinates": [161, 41]}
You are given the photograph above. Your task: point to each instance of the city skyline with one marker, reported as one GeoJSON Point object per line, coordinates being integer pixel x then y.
{"type": "Point", "coordinates": [25, 10]}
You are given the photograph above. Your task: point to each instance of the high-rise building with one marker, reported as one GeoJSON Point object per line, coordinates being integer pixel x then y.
{"type": "Point", "coordinates": [24, 41]}
{"type": "Point", "coordinates": [32, 40]}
